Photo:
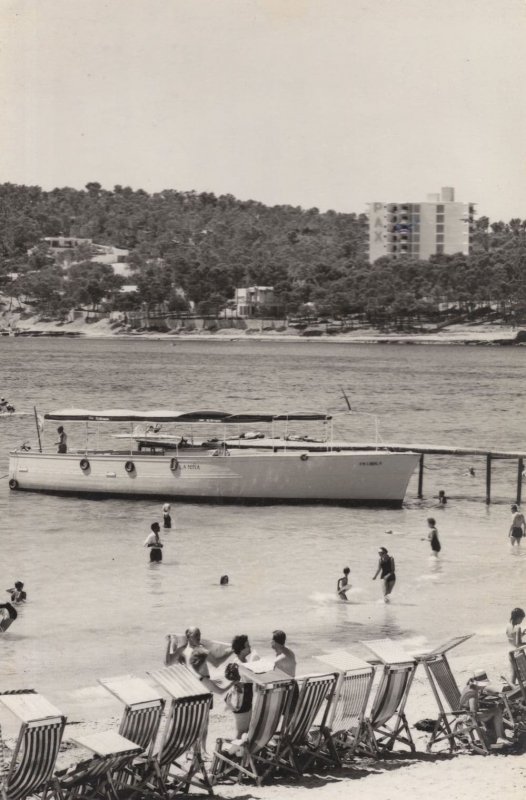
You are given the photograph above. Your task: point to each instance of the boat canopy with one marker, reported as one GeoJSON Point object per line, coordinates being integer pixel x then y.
{"type": "Point", "coordinates": [160, 415]}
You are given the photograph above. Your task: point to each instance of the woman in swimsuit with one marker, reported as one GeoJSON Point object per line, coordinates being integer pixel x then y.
{"type": "Point", "coordinates": [386, 570]}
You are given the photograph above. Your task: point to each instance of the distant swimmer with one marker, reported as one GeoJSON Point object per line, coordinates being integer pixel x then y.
{"type": "Point", "coordinates": [153, 541]}
{"type": "Point", "coordinates": [343, 585]}
{"type": "Point", "coordinates": [18, 595]}
{"type": "Point", "coordinates": [167, 518]}
{"type": "Point", "coordinates": [432, 536]}
{"type": "Point", "coordinates": [442, 499]}
{"type": "Point", "coordinates": [471, 472]}
{"type": "Point", "coordinates": [386, 570]}
{"type": "Point", "coordinates": [8, 614]}
{"type": "Point", "coordinates": [223, 581]}
{"type": "Point", "coordinates": [517, 527]}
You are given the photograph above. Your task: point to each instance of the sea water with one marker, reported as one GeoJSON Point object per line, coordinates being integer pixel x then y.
{"type": "Point", "coordinates": [97, 608]}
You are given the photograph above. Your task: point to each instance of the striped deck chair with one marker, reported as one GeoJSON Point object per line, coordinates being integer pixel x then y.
{"type": "Point", "coordinates": [386, 722]}
{"type": "Point", "coordinates": [459, 727]}
{"type": "Point", "coordinates": [186, 724]}
{"type": "Point", "coordinates": [36, 750]}
{"type": "Point", "coordinates": [344, 726]}
{"type": "Point", "coordinates": [94, 777]}
{"type": "Point", "coordinates": [292, 750]}
{"type": "Point", "coordinates": [248, 757]}
{"type": "Point", "coordinates": [515, 698]}
{"type": "Point", "coordinates": [143, 708]}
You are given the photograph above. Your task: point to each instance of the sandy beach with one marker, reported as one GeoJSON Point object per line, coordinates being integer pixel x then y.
{"type": "Point", "coordinates": [469, 334]}
{"type": "Point", "coordinates": [398, 775]}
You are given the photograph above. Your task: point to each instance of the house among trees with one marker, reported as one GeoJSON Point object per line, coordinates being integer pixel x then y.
{"type": "Point", "coordinates": [248, 300]}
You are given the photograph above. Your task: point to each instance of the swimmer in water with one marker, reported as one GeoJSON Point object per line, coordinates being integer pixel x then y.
{"type": "Point", "coordinates": [442, 499]}
{"type": "Point", "coordinates": [343, 585]}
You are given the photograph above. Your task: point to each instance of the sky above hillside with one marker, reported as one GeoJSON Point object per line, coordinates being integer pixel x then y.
{"type": "Point", "coordinates": [325, 103]}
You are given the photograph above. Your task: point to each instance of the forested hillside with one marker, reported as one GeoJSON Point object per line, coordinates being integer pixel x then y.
{"type": "Point", "coordinates": [206, 246]}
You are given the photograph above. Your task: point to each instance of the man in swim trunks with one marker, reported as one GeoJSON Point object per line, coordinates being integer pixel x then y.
{"type": "Point", "coordinates": [386, 570]}
{"type": "Point", "coordinates": [343, 585]}
{"type": "Point", "coordinates": [153, 541]}
{"type": "Point", "coordinates": [517, 526]}
{"type": "Point", "coordinates": [285, 658]}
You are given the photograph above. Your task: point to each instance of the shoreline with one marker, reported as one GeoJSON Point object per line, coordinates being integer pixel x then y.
{"type": "Point", "coordinates": [482, 335]}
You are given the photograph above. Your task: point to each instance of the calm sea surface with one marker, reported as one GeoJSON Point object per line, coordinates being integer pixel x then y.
{"type": "Point", "coordinates": [97, 608]}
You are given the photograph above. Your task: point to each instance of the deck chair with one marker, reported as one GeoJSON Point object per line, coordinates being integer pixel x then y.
{"type": "Point", "coordinates": [143, 709]}
{"type": "Point", "coordinates": [95, 777]}
{"type": "Point", "coordinates": [293, 750]}
{"type": "Point", "coordinates": [186, 724]}
{"type": "Point", "coordinates": [248, 757]}
{"type": "Point", "coordinates": [345, 723]}
{"type": "Point", "coordinates": [515, 698]}
{"type": "Point", "coordinates": [36, 749]}
{"type": "Point", "coordinates": [386, 723]}
{"type": "Point", "coordinates": [459, 727]}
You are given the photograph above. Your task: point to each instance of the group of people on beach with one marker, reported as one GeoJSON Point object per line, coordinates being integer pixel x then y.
{"type": "Point", "coordinates": [238, 689]}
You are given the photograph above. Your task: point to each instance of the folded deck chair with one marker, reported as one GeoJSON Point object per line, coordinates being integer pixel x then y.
{"type": "Point", "coordinates": [94, 777]}
{"type": "Point", "coordinates": [386, 723]}
{"type": "Point", "coordinates": [293, 750]}
{"type": "Point", "coordinates": [344, 725]}
{"type": "Point", "coordinates": [248, 757]}
{"type": "Point", "coordinates": [36, 750]}
{"type": "Point", "coordinates": [459, 727]}
{"type": "Point", "coordinates": [186, 724]}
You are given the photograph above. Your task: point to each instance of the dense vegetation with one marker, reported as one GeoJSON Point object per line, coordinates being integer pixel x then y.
{"type": "Point", "coordinates": [194, 247]}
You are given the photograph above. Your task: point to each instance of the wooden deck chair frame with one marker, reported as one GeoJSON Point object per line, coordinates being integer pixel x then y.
{"type": "Point", "coordinates": [33, 761]}
{"type": "Point", "coordinates": [459, 727]}
{"type": "Point", "coordinates": [186, 723]}
{"type": "Point", "coordinates": [96, 777]}
{"type": "Point", "coordinates": [271, 701]}
{"type": "Point", "coordinates": [386, 724]}
{"type": "Point", "coordinates": [294, 752]}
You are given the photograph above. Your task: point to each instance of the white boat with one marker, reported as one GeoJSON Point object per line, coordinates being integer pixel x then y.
{"type": "Point", "coordinates": [221, 468]}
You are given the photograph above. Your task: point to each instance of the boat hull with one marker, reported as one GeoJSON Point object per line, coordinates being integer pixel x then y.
{"type": "Point", "coordinates": [378, 478]}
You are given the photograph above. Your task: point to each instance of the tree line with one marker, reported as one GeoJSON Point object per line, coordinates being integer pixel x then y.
{"type": "Point", "coordinates": [189, 248]}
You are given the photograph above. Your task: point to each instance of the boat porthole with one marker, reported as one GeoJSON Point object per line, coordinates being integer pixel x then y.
{"type": "Point", "coordinates": [304, 456]}
{"type": "Point", "coordinates": [13, 484]}
{"type": "Point", "coordinates": [129, 466]}
{"type": "Point", "coordinates": [84, 464]}
{"type": "Point", "coordinates": [174, 463]}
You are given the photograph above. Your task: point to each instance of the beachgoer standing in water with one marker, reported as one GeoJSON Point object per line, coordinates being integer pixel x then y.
{"type": "Point", "coordinates": [442, 499]}
{"type": "Point", "coordinates": [343, 585]}
{"type": "Point", "coordinates": [153, 541]}
{"type": "Point", "coordinates": [17, 592]}
{"type": "Point", "coordinates": [386, 570]}
{"type": "Point", "coordinates": [432, 537]}
{"type": "Point", "coordinates": [514, 634]}
{"type": "Point", "coordinates": [167, 519]}
{"type": "Point", "coordinates": [517, 526]}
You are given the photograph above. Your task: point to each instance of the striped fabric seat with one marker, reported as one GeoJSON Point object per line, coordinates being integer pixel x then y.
{"type": "Point", "coordinates": [37, 747]}
{"type": "Point", "coordinates": [386, 723]}
{"type": "Point", "coordinates": [249, 758]}
{"type": "Point", "coordinates": [344, 726]}
{"type": "Point", "coordinates": [143, 709]}
{"type": "Point", "coordinates": [293, 751]}
{"type": "Point", "coordinates": [185, 727]}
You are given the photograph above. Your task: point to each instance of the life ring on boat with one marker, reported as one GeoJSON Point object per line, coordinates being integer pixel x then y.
{"type": "Point", "coordinates": [174, 463]}
{"type": "Point", "coordinates": [13, 484]}
{"type": "Point", "coordinates": [129, 467]}
{"type": "Point", "coordinates": [84, 464]}
{"type": "Point", "coordinates": [304, 457]}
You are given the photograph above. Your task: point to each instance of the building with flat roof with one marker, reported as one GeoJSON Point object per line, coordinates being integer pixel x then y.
{"type": "Point", "coordinates": [420, 230]}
